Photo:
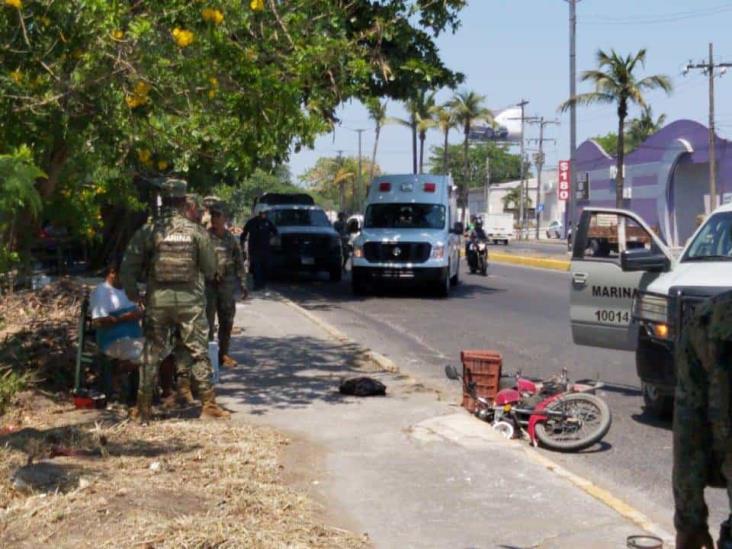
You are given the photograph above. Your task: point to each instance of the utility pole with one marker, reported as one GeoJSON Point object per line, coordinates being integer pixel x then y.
{"type": "Point", "coordinates": [709, 69]}
{"type": "Point", "coordinates": [539, 158]}
{"type": "Point", "coordinates": [572, 211]}
{"type": "Point", "coordinates": [358, 184]}
{"type": "Point", "coordinates": [522, 193]}
{"type": "Point", "coordinates": [487, 188]}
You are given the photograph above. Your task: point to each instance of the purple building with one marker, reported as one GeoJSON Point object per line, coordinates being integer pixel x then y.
{"type": "Point", "coordinates": [666, 178]}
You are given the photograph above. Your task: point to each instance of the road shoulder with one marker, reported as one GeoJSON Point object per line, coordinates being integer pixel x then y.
{"type": "Point", "coordinates": [411, 458]}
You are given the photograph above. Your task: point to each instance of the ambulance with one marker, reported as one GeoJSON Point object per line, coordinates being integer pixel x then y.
{"type": "Point", "coordinates": [410, 234]}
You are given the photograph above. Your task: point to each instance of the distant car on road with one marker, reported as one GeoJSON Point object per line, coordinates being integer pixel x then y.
{"type": "Point", "coordinates": [306, 240]}
{"type": "Point", "coordinates": [555, 229]}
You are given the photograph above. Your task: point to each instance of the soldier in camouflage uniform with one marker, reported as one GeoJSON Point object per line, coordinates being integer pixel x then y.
{"type": "Point", "coordinates": [703, 421]}
{"type": "Point", "coordinates": [221, 290]}
{"type": "Point", "coordinates": [176, 255]}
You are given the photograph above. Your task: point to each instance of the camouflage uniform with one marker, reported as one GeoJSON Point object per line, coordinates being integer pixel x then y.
{"type": "Point", "coordinates": [221, 290]}
{"type": "Point", "coordinates": [176, 255]}
{"type": "Point", "coordinates": [703, 412]}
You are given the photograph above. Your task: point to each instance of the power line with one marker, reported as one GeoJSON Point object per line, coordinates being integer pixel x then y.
{"type": "Point", "coordinates": [652, 20]}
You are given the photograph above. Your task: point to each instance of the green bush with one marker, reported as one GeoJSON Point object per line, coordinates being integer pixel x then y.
{"type": "Point", "coordinates": [10, 384]}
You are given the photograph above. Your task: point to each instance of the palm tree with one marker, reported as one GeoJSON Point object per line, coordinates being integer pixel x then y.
{"type": "Point", "coordinates": [419, 121]}
{"type": "Point", "coordinates": [616, 83]}
{"type": "Point", "coordinates": [512, 199]}
{"type": "Point", "coordinates": [377, 113]}
{"type": "Point", "coordinates": [445, 120]}
{"type": "Point", "coordinates": [641, 128]}
{"type": "Point", "coordinates": [467, 107]}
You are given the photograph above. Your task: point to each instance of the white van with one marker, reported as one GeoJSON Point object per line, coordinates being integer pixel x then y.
{"type": "Point", "coordinates": [410, 233]}
{"type": "Point", "coordinates": [630, 292]}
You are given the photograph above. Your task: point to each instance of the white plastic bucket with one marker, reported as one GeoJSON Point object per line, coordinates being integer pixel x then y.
{"type": "Point", "coordinates": [213, 355]}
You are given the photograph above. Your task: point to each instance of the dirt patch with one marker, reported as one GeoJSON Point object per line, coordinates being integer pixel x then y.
{"type": "Point", "coordinates": [93, 479]}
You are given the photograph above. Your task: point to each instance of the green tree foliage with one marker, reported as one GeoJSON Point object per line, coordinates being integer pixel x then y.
{"type": "Point", "coordinates": [378, 115]}
{"type": "Point", "coordinates": [334, 180]}
{"type": "Point", "coordinates": [637, 130]}
{"type": "Point", "coordinates": [512, 200]}
{"type": "Point", "coordinates": [468, 108]}
{"type": "Point", "coordinates": [240, 198]}
{"type": "Point", "coordinates": [107, 93]}
{"type": "Point", "coordinates": [503, 165]}
{"type": "Point", "coordinates": [616, 82]}
{"type": "Point", "coordinates": [20, 202]}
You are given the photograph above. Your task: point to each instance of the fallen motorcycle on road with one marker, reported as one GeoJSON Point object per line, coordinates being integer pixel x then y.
{"type": "Point", "coordinates": [556, 413]}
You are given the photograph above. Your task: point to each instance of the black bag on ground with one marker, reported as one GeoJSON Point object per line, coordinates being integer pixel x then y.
{"type": "Point", "coordinates": [362, 386]}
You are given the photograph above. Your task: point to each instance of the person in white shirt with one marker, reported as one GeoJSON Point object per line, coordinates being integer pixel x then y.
{"type": "Point", "coordinates": [116, 319]}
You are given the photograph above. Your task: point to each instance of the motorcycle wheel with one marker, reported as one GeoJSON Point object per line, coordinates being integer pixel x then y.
{"type": "Point", "coordinates": [504, 428]}
{"type": "Point", "coordinates": [586, 420]}
{"type": "Point", "coordinates": [483, 266]}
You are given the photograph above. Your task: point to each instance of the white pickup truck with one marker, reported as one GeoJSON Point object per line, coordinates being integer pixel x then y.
{"type": "Point", "coordinates": [498, 227]}
{"type": "Point", "coordinates": [630, 292]}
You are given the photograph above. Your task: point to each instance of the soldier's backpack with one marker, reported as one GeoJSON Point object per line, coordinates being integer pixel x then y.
{"type": "Point", "coordinates": [174, 258]}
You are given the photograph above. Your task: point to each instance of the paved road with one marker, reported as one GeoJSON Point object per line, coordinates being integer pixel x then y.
{"type": "Point", "coordinates": [523, 313]}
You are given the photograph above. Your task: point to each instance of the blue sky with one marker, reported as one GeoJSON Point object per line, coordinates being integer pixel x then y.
{"type": "Point", "coordinates": [518, 49]}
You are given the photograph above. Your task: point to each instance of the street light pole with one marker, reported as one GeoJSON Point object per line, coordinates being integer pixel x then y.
{"type": "Point", "coordinates": [572, 112]}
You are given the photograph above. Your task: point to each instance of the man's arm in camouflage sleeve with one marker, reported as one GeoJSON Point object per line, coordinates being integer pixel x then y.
{"type": "Point", "coordinates": [133, 264]}
{"type": "Point", "coordinates": [692, 437]}
{"type": "Point", "coordinates": [206, 255]}
{"type": "Point", "coordinates": [238, 260]}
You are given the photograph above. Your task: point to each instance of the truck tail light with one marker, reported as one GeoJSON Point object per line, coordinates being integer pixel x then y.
{"type": "Point", "coordinates": [384, 187]}
{"type": "Point", "coordinates": [430, 187]}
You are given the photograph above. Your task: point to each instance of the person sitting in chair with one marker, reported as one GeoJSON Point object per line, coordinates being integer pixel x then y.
{"type": "Point", "coordinates": [116, 319]}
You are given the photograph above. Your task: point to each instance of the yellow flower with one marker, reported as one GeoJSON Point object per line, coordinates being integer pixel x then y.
{"type": "Point", "coordinates": [144, 155]}
{"type": "Point", "coordinates": [17, 4]}
{"type": "Point", "coordinates": [141, 88]}
{"type": "Point", "coordinates": [45, 21]}
{"type": "Point", "coordinates": [16, 76]}
{"type": "Point", "coordinates": [256, 5]}
{"type": "Point", "coordinates": [183, 38]}
{"type": "Point", "coordinates": [213, 16]}
{"type": "Point", "coordinates": [118, 34]}
{"type": "Point", "coordinates": [162, 165]}
{"type": "Point", "coordinates": [211, 94]}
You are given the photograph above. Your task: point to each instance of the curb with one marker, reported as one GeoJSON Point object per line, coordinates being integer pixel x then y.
{"type": "Point", "coordinates": [622, 508]}
{"type": "Point", "coordinates": [385, 364]}
{"type": "Point", "coordinates": [527, 261]}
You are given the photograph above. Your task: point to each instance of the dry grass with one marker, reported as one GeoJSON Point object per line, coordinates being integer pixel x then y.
{"type": "Point", "coordinates": [94, 480]}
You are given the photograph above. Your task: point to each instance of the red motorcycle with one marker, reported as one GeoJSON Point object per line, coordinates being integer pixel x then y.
{"type": "Point", "coordinates": [559, 414]}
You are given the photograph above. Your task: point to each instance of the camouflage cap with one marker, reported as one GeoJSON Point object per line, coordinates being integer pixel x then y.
{"type": "Point", "coordinates": [210, 200]}
{"type": "Point", "coordinates": [174, 188]}
{"type": "Point", "coordinates": [218, 207]}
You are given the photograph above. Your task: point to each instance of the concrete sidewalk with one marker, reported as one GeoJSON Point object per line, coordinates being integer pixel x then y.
{"type": "Point", "coordinates": [411, 469]}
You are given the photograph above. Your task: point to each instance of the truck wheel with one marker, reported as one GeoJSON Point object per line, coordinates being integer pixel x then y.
{"type": "Point", "coordinates": [657, 403]}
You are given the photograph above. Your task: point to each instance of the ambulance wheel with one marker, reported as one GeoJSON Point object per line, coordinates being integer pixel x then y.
{"type": "Point", "coordinates": [656, 403]}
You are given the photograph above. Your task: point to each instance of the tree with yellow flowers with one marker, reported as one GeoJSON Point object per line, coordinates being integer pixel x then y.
{"type": "Point", "coordinates": [109, 95]}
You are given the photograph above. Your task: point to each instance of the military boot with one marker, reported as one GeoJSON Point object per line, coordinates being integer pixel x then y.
{"type": "Point", "coordinates": [169, 402]}
{"type": "Point", "coordinates": [184, 393]}
{"type": "Point", "coordinates": [210, 408]}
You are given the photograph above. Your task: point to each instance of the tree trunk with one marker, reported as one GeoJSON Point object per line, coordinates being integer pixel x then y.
{"type": "Point", "coordinates": [620, 158]}
{"type": "Point", "coordinates": [464, 189]}
{"type": "Point", "coordinates": [422, 137]}
{"type": "Point", "coordinates": [56, 163]}
{"type": "Point", "coordinates": [445, 153]}
{"type": "Point", "coordinates": [373, 155]}
{"type": "Point", "coordinates": [414, 146]}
